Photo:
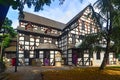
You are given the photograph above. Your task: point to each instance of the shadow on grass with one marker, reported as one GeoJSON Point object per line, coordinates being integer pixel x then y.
{"type": "Point", "coordinates": [82, 74]}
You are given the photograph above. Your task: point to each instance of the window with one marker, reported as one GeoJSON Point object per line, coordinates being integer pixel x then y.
{"type": "Point", "coordinates": [29, 27]}
{"type": "Point", "coordinates": [53, 41]}
{"type": "Point", "coordinates": [41, 39]}
{"type": "Point", "coordinates": [81, 37]}
{"type": "Point", "coordinates": [83, 25]}
{"type": "Point", "coordinates": [36, 54]}
{"type": "Point", "coordinates": [27, 38]}
{"type": "Point", "coordinates": [98, 55]}
{"type": "Point", "coordinates": [26, 53]}
{"type": "Point", "coordinates": [90, 28]}
{"type": "Point", "coordinates": [73, 38]}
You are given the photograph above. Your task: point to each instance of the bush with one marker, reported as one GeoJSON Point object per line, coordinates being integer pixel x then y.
{"type": "Point", "coordinates": [2, 66]}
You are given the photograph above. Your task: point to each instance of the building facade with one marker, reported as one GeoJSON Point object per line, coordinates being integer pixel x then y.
{"type": "Point", "coordinates": [37, 35]}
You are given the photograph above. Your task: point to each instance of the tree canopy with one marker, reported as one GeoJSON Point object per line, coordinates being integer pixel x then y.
{"type": "Point", "coordinates": [19, 4]}
{"type": "Point", "coordinates": [6, 37]}
{"type": "Point", "coordinates": [109, 14]}
{"type": "Point", "coordinates": [8, 33]}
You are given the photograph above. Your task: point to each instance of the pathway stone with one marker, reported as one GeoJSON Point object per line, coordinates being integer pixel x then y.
{"type": "Point", "coordinates": [32, 73]}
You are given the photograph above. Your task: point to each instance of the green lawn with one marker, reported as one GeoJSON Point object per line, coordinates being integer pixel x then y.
{"type": "Point", "coordinates": [110, 73]}
{"type": "Point", "coordinates": [90, 73]}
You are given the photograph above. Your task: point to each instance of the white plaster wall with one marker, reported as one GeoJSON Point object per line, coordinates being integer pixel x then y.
{"type": "Point", "coordinates": [97, 62]}
{"type": "Point", "coordinates": [112, 59]}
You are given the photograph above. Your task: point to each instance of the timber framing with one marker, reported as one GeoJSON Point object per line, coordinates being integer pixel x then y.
{"type": "Point", "coordinates": [34, 32]}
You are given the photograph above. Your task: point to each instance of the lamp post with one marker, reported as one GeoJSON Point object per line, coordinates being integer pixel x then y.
{"type": "Point", "coordinates": [1, 52]}
{"type": "Point", "coordinates": [1, 56]}
{"type": "Point", "coordinates": [16, 62]}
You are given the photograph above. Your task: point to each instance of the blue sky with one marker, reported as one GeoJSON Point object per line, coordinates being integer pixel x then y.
{"type": "Point", "coordinates": [62, 13]}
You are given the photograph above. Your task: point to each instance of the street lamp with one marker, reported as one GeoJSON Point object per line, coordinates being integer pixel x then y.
{"type": "Point", "coordinates": [16, 62]}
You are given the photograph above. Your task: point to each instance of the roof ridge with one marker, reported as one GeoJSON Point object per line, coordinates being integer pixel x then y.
{"type": "Point", "coordinates": [43, 17]}
{"type": "Point", "coordinates": [42, 20]}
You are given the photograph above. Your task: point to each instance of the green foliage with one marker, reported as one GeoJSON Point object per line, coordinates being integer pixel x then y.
{"type": "Point", "coordinates": [109, 11]}
{"type": "Point", "coordinates": [6, 41]}
{"type": "Point", "coordinates": [19, 4]}
{"type": "Point", "coordinates": [9, 33]}
{"type": "Point", "coordinates": [92, 43]}
{"type": "Point", "coordinates": [115, 37]}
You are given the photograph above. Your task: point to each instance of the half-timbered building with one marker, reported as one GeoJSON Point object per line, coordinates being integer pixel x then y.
{"type": "Point", "coordinates": [41, 38]}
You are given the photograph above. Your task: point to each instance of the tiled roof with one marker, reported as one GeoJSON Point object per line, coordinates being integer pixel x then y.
{"type": "Point", "coordinates": [51, 23]}
{"type": "Point", "coordinates": [11, 49]}
{"type": "Point", "coordinates": [43, 21]}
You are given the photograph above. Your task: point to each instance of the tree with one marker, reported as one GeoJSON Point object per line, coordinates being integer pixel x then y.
{"type": "Point", "coordinates": [92, 43]}
{"type": "Point", "coordinates": [9, 33]}
{"type": "Point", "coordinates": [110, 15]}
{"type": "Point", "coordinates": [19, 4]}
{"type": "Point", "coordinates": [108, 11]}
{"type": "Point", "coordinates": [115, 37]}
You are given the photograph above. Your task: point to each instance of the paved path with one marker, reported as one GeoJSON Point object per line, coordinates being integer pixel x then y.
{"type": "Point", "coordinates": [32, 73]}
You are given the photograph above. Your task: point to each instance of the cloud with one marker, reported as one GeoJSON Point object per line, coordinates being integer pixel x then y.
{"type": "Point", "coordinates": [15, 23]}
{"type": "Point", "coordinates": [62, 13]}
{"type": "Point", "coordinates": [13, 15]}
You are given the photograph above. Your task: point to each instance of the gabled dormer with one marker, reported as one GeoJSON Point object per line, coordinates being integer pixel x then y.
{"type": "Point", "coordinates": [29, 27]}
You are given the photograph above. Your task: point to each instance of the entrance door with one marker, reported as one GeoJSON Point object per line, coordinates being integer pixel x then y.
{"type": "Point", "coordinates": [74, 58]}
{"type": "Point", "coordinates": [46, 58]}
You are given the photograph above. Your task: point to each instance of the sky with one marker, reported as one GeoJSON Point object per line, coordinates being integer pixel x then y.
{"type": "Point", "coordinates": [61, 13]}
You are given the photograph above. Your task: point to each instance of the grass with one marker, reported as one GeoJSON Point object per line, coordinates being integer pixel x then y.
{"type": "Point", "coordinates": [90, 73]}
{"type": "Point", "coordinates": [110, 73]}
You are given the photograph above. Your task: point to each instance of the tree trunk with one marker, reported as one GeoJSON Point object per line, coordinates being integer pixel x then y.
{"type": "Point", "coordinates": [106, 55]}
{"type": "Point", "coordinates": [109, 28]}
{"type": "Point", "coordinates": [2, 54]}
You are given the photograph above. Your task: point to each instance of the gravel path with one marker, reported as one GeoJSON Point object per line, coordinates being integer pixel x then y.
{"type": "Point", "coordinates": [32, 73]}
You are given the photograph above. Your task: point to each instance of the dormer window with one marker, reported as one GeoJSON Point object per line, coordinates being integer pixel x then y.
{"type": "Point", "coordinates": [29, 27]}
{"type": "Point", "coordinates": [48, 30]}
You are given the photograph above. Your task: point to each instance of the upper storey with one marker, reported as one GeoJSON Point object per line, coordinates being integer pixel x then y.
{"type": "Point", "coordinates": [34, 24]}
{"type": "Point", "coordinates": [40, 25]}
